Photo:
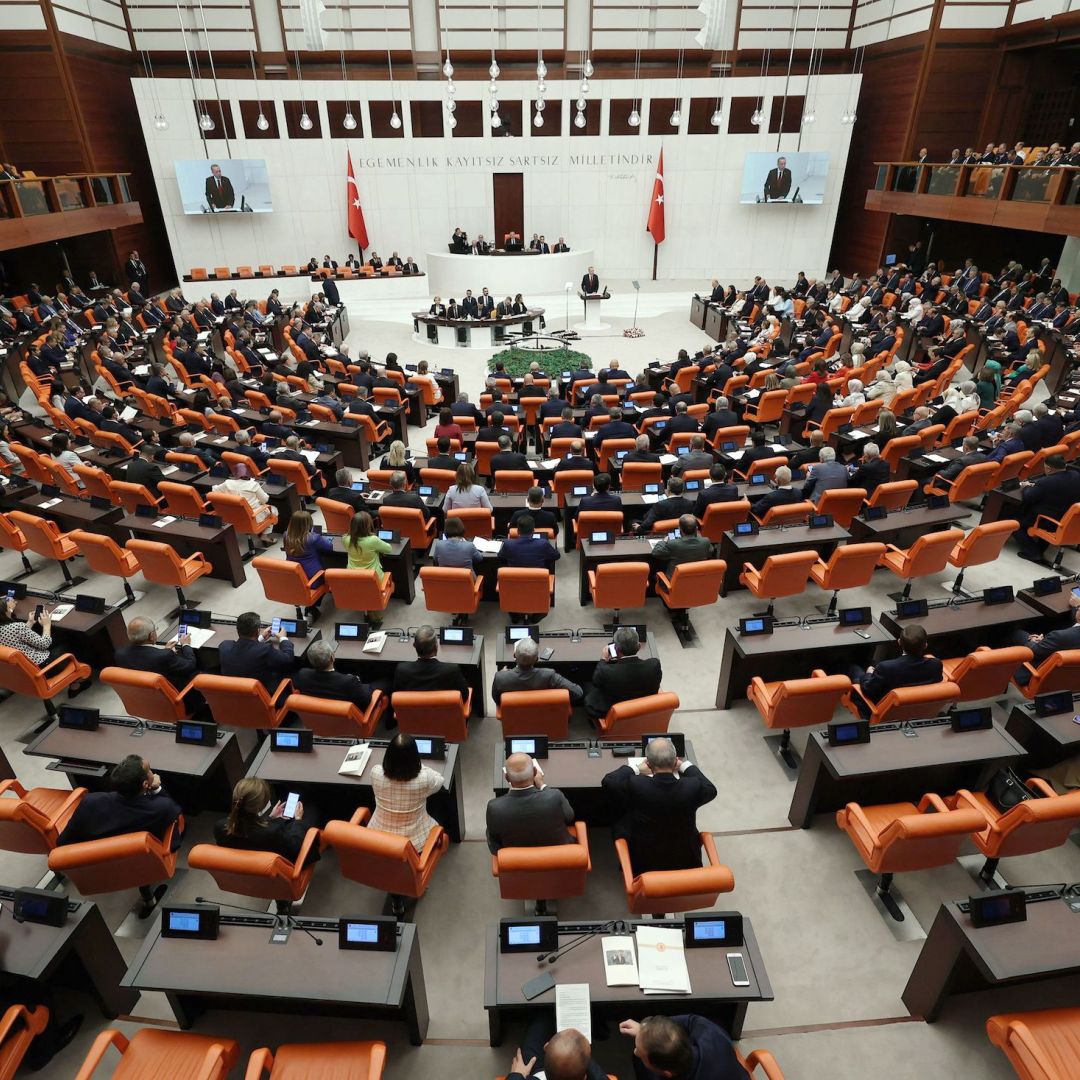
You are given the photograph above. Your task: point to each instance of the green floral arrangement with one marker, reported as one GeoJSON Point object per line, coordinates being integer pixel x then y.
{"type": "Point", "coordinates": [553, 362]}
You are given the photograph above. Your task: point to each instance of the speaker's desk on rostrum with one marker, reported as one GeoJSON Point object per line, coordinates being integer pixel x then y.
{"type": "Point", "coordinates": [712, 995]}
{"type": "Point", "coordinates": [316, 778]}
{"type": "Point", "coordinates": [198, 777]}
{"type": "Point", "coordinates": [576, 768]}
{"type": "Point", "coordinates": [792, 652]}
{"type": "Point", "coordinates": [219, 544]}
{"type": "Point", "coordinates": [350, 657]}
{"type": "Point", "coordinates": [899, 763]}
{"type": "Point", "coordinates": [957, 957]}
{"type": "Point", "coordinates": [957, 629]}
{"type": "Point", "coordinates": [1047, 739]}
{"type": "Point", "coordinates": [80, 955]}
{"type": "Point", "coordinates": [903, 527]}
{"type": "Point", "coordinates": [242, 972]}
{"type": "Point", "coordinates": [755, 548]}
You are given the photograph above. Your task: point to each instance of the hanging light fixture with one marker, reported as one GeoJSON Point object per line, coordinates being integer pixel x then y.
{"type": "Point", "coordinates": [261, 123]}
{"type": "Point", "coordinates": [634, 119]}
{"type": "Point", "coordinates": [675, 119]}
{"type": "Point", "coordinates": [588, 68]}
{"type": "Point", "coordinates": [579, 119]}
{"type": "Point", "coordinates": [395, 120]}
{"type": "Point", "coordinates": [348, 122]}
{"type": "Point", "coordinates": [810, 104]}
{"type": "Point", "coordinates": [448, 71]}
{"type": "Point", "coordinates": [206, 121]}
{"type": "Point", "coordinates": [155, 103]}
{"type": "Point", "coordinates": [850, 115]}
{"type": "Point", "coordinates": [538, 120]}
{"type": "Point", "coordinates": [305, 120]}
{"type": "Point", "coordinates": [496, 120]}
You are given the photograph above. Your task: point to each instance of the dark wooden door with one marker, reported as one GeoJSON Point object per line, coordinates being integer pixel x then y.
{"type": "Point", "coordinates": [508, 190]}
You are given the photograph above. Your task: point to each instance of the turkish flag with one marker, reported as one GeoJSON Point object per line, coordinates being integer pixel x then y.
{"type": "Point", "coordinates": [357, 228]}
{"type": "Point", "coordinates": [656, 204]}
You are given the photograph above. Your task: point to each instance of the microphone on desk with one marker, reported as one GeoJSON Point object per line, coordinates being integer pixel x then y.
{"type": "Point", "coordinates": [290, 921]}
{"type": "Point", "coordinates": [554, 954]}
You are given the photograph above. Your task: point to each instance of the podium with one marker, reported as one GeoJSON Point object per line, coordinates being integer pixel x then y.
{"type": "Point", "coordinates": [592, 302]}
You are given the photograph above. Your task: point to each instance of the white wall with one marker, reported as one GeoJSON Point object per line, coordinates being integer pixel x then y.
{"type": "Point", "coordinates": [592, 190]}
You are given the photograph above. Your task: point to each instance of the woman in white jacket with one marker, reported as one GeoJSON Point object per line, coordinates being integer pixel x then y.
{"type": "Point", "coordinates": [251, 491]}
{"type": "Point", "coordinates": [902, 377]}
{"type": "Point", "coordinates": [882, 387]}
{"type": "Point", "coordinates": [854, 397]}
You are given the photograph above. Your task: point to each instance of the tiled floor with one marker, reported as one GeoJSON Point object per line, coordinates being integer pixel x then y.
{"type": "Point", "coordinates": [836, 970]}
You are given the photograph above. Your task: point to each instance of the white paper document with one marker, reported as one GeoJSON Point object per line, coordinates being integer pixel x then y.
{"type": "Point", "coordinates": [935, 457]}
{"type": "Point", "coordinates": [162, 522]}
{"type": "Point", "coordinates": [620, 964]}
{"type": "Point", "coordinates": [662, 960]}
{"type": "Point", "coordinates": [355, 760]}
{"type": "Point", "coordinates": [60, 611]}
{"type": "Point", "coordinates": [49, 502]}
{"type": "Point", "coordinates": [488, 547]}
{"type": "Point", "coordinates": [572, 1008]}
{"type": "Point", "coordinates": [648, 500]}
{"type": "Point", "coordinates": [668, 459]}
{"type": "Point", "coordinates": [199, 636]}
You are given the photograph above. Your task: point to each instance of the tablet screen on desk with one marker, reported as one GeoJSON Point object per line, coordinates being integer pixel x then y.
{"type": "Point", "coordinates": [1053, 704]}
{"type": "Point", "coordinates": [716, 928]}
{"type": "Point", "coordinates": [351, 632]}
{"type": "Point", "coordinates": [534, 745]}
{"type": "Point", "coordinates": [389, 536]}
{"type": "Point", "coordinates": [856, 616]}
{"type": "Point", "coordinates": [579, 490]}
{"type": "Point", "coordinates": [1046, 586]}
{"type": "Point", "coordinates": [432, 747]}
{"type": "Point", "coordinates": [761, 625]}
{"type": "Point", "coordinates": [376, 933]}
{"type": "Point", "coordinates": [746, 528]}
{"type": "Point", "coordinates": [998, 594]}
{"type": "Point", "coordinates": [651, 489]}
{"type": "Point", "coordinates": [758, 480]}
{"type": "Point", "coordinates": [71, 716]}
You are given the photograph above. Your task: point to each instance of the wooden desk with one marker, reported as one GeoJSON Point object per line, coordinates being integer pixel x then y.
{"type": "Point", "coordinates": [197, 777]}
{"type": "Point", "coordinates": [1047, 739]}
{"type": "Point", "coordinates": [576, 655]}
{"type": "Point", "coordinates": [755, 549]}
{"type": "Point", "coordinates": [350, 657]}
{"type": "Point", "coordinates": [698, 309]}
{"type": "Point", "coordinates": [206, 655]}
{"type": "Point", "coordinates": [958, 630]}
{"type": "Point", "coordinates": [1055, 607]}
{"type": "Point", "coordinates": [220, 546]}
{"type": "Point", "coordinates": [957, 958]}
{"type": "Point", "coordinates": [716, 322]}
{"type": "Point", "coordinates": [1001, 503]}
{"type": "Point", "coordinates": [315, 776]}
{"type": "Point", "coordinates": [792, 652]}
{"type": "Point", "coordinates": [894, 767]}
{"type": "Point", "coordinates": [81, 955]}
{"type": "Point", "coordinates": [241, 972]}
{"type": "Point", "coordinates": [624, 549]}
{"type": "Point", "coordinates": [398, 563]}
{"type": "Point", "coordinates": [904, 527]}
{"type": "Point", "coordinates": [72, 513]}
{"type": "Point", "coordinates": [634, 509]}
{"type": "Point", "coordinates": [93, 639]}
{"type": "Point", "coordinates": [713, 994]}
{"type": "Point", "coordinates": [569, 768]}
{"type": "Point", "coordinates": [345, 439]}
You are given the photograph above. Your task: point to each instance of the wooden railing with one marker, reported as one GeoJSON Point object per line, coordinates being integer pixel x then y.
{"type": "Point", "coordinates": [1013, 196]}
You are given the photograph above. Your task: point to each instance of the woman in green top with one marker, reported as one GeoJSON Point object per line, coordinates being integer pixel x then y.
{"type": "Point", "coordinates": [364, 548]}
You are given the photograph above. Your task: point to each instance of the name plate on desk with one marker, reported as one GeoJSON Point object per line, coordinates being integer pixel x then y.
{"type": "Point", "coordinates": [993, 909]}
{"type": "Point", "coordinates": [751, 627]}
{"type": "Point", "coordinates": [971, 719]}
{"type": "Point", "coordinates": [849, 733]}
{"type": "Point", "coordinates": [195, 733]}
{"type": "Point", "coordinates": [376, 933]}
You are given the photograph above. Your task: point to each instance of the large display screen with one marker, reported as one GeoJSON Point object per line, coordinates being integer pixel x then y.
{"type": "Point", "coordinates": [793, 177]}
{"type": "Point", "coordinates": [224, 186]}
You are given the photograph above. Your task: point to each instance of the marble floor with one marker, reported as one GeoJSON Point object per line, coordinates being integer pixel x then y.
{"type": "Point", "coordinates": [836, 970]}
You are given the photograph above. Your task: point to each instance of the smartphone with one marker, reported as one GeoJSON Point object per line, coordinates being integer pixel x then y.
{"type": "Point", "coordinates": [547, 653]}
{"type": "Point", "coordinates": [181, 631]}
{"type": "Point", "coordinates": [540, 985]}
{"type": "Point", "coordinates": [290, 805]}
{"type": "Point", "coordinates": [863, 634]}
{"type": "Point", "coordinates": [611, 652]}
{"type": "Point", "coordinates": [737, 966]}
{"type": "Point", "coordinates": [275, 627]}
{"type": "Point", "coordinates": [38, 611]}
{"type": "Point", "coordinates": [1076, 719]}
{"type": "Point", "coordinates": [11, 594]}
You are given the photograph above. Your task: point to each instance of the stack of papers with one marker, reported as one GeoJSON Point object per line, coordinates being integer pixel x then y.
{"type": "Point", "coordinates": [376, 642]}
{"type": "Point", "coordinates": [668, 459]}
{"type": "Point", "coordinates": [648, 500]}
{"type": "Point", "coordinates": [620, 966]}
{"type": "Point", "coordinates": [935, 457]}
{"type": "Point", "coordinates": [60, 611]}
{"type": "Point", "coordinates": [662, 960]}
{"type": "Point", "coordinates": [355, 760]}
{"type": "Point", "coordinates": [488, 547]}
{"type": "Point", "coordinates": [162, 522]}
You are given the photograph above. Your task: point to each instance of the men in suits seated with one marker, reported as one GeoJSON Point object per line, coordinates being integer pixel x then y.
{"type": "Point", "coordinates": [291, 452]}
{"type": "Point", "coordinates": [576, 461]}
{"type": "Point", "coordinates": [623, 678]}
{"type": "Point", "coordinates": [719, 490]}
{"type": "Point", "coordinates": [322, 681]}
{"type": "Point", "coordinates": [562, 1055]}
{"type": "Point", "coordinates": [527, 549]}
{"type": "Point", "coordinates": [642, 452]}
{"type": "Point", "coordinates": [758, 451]}
{"type": "Point", "coordinates": [527, 675]}
{"type": "Point", "coordinates": [244, 446]}
{"type": "Point", "coordinates": [689, 546]}
{"type": "Point", "coordinates": [481, 247]}
{"type": "Point", "coordinates": [801, 458]}
{"type": "Point", "coordinates": [698, 457]}
{"type": "Point", "coordinates": [554, 405]}
{"type": "Point", "coordinates": [560, 245]}
{"type": "Point", "coordinates": [442, 458]}
{"type": "Point", "coordinates": [658, 802]}
{"type": "Point", "coordinates": [1007, 441]}
{"type": "Point", "coordinates": [495, 428]}
{"type": "Point", "coordinates": [722, 416]}
{"type": "Point", "coordinates": [534, 507]}
{"type": "Point", "coordinates": [375, 262]}
{"type": "Point", "coordinates": [427, 672]}
{"type": "Point", "coordinates": [913, 668]}
{"type": "Point", "coordinates": [257, 653]}
{"type": "Point", "coordinates": [1048, 425]}
{"type": "Point", "coordinates": [397, 495]}
{"type": "Point", "coordinates": [175, 661]}
{"type": "Point", "coordinates": [871, 471]}
{"type": "Point", "coordinates": [782, 494]}
{"type": "Point", "coordinates": [1043, 646]}
{"type": "Point", "coordinates": [186, 444]}
{"type": "Point", "coordinates": [827, 473]}
{"type": "Point", "coordinates": [673, 505]}
{"type": "Point", "coordinates": [513, 243]}
{"type": "Point", "coordinates": [111, 422]}
{"type": "Point", "coordinates": [615, 428]}
{"type": "Point", "coordinates": [530, 814]}
{"type": "Point", "coordinates": [681, 421]}
{"type": "Point", "coordinates": [602, 497]}
{"type": "Point", "coordinates": [144, 470]}
{"type": "Point", "coordinates": [136, 803]}
{"type": "Point", "coordinates": [460, 242]}
{"type": "Point", "coordinates": [507, 458]}
{"type": "Point", "coordinates": [972, 455]}
{"type": "Point", "coordinates": [566, 428]}
{"type": "Point", "coordinates": [1050, 495]}
{"type": "Point", "coordinates": [342, 491]}
{"type": "Point", "coordinates": [686, 1047]}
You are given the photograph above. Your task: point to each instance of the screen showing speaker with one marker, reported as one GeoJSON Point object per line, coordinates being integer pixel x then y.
{"type": "Point", "coordinates": [795, 177]}
{"type": "Point", "coordinates": [224, 186]}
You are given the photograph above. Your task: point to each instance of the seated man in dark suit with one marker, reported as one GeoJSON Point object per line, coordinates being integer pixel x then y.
{"type": "Point", "coordinates": [913, 668]}
{"type": "Point", "coordinates": [494, 429]}
{"type": "Point", "coordinates": [1049, 426]}
{"type": "Point", "coordinates": [137, 803]}
{"type": "Point", "coordinates": [681, 421]}
{"type": "Point", "coordinates": [658, 802]}
{"type": "Point", "coordinates": [566, 428]}
{"type": "Point", "coordinates": [576, 461]}
{"type": "Point", "coordinates": [722, 416]}
{"type": "Point", "coordinates": [623, 678]}
{"type": "Point", "coordinates": [1051, 495]}
{"type": "Point", "coordinates": [824, 475]}
{"type": "Point", "coordinates": [1043, 646]}
{"type": "Point", "coordinates": [528, 549]}
{"type": "Point", "coordinates": [442, 458]}
{"type": "Point", "coordinates": [144, 470]}
{"type": "Point", "coordinates": [687, 1047]}
{"type": "Point", "coordinates": [322, 681]}
{"type": "Point", "coordinates": [602, 497]}
{"type": "Point", "coordinates": [175, 661]}
{"type": "Point", "coordinates": [718, 491]}
{"type": "Point", "coordinates": [673, 505]}
{"type": "Point", "coordinates": [530, 814]}
{"type": "Point", "coordinates": [256, 654]}
{"type": "Point", "coordinates": [698, 457]}
{"type": "Point", "coordinates": [642, 452]}
{"type": "Point", "coordinates": [801, 458]}
{"type": "Point", "coordinates": [507, 458]}
{"type": "Point", "coordinates": [782, 494]}
{"type": "Point", "coordinates": [560, 1055]}
{"type": "Point", "coordinates": [398, 496]}
{"type": "Point", "coordinates": [689, 546]}
{"type": "Point", "coordinates": [758, 451]}
{"type": "Point", "coordinates": [871, 471]}
{"type": "Point", "coordinates": [534, 507]}
{"type": "Point", "coordinates": [342, 491]}
{"type": "Point", "coordinates": [615, 428]}
{"type": "Point", "coordinates": [972, 455]}
{"type": "Point", "coordinates": [427, 672]}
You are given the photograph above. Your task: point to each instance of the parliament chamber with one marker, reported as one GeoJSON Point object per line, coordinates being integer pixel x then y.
{"type": "Point", "coordinates": [628, 628]}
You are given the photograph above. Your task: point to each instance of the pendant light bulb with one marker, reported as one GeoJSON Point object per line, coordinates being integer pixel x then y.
{"type": "Point", "coordinates": [716, 118]}
{"type": "Point", "coordinates": [395, 121]}
{"type": "Point", "coordinates": [349, 123]}
{"type": "Point", "coordinates": [588, 69]}
{"type": "Point", "coordinates": [538, 120]}
{"type": "Point", "coordinates": [579, 120]}
{"type": "Point", "coordinates": [580, 104]}
{"type": "Point", "coordinates": [448, 69]}
{"type": "Point", "coordinates": [634, 119]}
{"type": "Point", "coordinates": [305, 122]}
{"type": "Point", "coordinates": [262, 123]}
{"type": "Point", "coordinates": [451, 88]}
{"type": "Point", "coordinates": [541, 70]}
{"type": "Point", "coordinates": [809, 116]}
{"type": "Point", "coordinates": [675, 119]}
{"type": "Point", "coordinates": [206, 122]}
{"type": "Point", "coordinates": [541, 104]}
{"type": "Point", "coordinates": [451, 122]}
{"type": "Point", "coordinates": [493, 71]}
{"type": "Point", "coordinates": [496, 120]}
{"type": "Point", "coordinates": [585, 87]}
{"type": "Point", "coordinates": [451, 106]}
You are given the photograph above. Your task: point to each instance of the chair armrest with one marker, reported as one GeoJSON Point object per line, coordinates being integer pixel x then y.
{"type": "Point", "coordinates": [755, 1058]}
{"type": "Point", "coordinates": [580, 832]}
{"type": "Point", "coordinates": [818, 673]}
{"type": "Point", "coordinates": [312, 837]}
{"type": "Point", "coordinates": [15, 1013]}
{"type": "Point", "coordinates": [468, 703]}
{"type": "Point", "coordinates": [1046, 517]}
{"type": "Point", "coordinates": [361, 816]}
{"type": "Point", "coordinates": [1041, 788]}
{"type": "Point", "coordinates": [622, 850]}
{"type": "Point", "coordinates": [59, 661]}
{"type": "Point", "coordinates": [861, 824]}
{"type": "Point", "coordinates": [316, 579]}
{"type": "Point", "coordinates": [286, 686]}
{"type": "Point", "coordinates": [102, 1043]}
{"type": "Point", "coordinates": [709, 844]}
{"type": "Point", "coordinates": [437, 838]}
{"type": "Point", "coordinates": [932, 800]}
{"type": "Point", "coordinates": [211, 1063]}
{"type": "Point", "coordinates": [70, 803]}
{"type": "Point", "coordinates": [12, 785]}
{"type": "Point", "coordinates": [1032, 671]}
{"type": "Point", "coordinates": [661, 580]}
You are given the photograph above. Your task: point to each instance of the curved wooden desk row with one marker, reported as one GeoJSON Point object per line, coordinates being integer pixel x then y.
{"type": "Point", "coordinates": [365, 273]}
{"type": "Point", "coordinates": [506, 320]}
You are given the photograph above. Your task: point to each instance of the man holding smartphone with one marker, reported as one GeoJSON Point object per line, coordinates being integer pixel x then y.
{"type": "Point", "coordinates": [257, 653]}
{"type": "Point", "coordinates": [622, 675]}
{"type": "Point", "coordinates": [176, 661]}
{"type": "Point", "coordinates": [527, 675]}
